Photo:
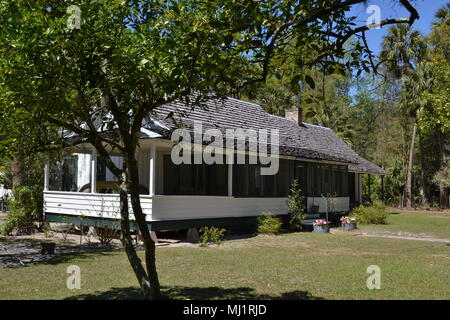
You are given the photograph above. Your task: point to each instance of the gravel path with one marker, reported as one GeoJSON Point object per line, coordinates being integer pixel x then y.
{"type": "Point", "coordinates": [401, 235]}
{"type": "Point", "coordinates": [405, 238]}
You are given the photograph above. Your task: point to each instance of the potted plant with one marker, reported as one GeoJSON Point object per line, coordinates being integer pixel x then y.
{"type": "Point", "coordinates": [348, 223]}
{"type": "Point", "coordinates": [322, 225]}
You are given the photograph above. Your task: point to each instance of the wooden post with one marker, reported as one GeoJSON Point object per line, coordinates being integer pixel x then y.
{"type": "Point", "coordinates": [230, 159]}
{"type": "Point", "coordinates": [94, 171]}
{"type": "Point", "coordinates": [152, 171]}
{"type": "Point", "coordinates": [382, 188]}
{"type": "Point", "coordinates": [46, 175]}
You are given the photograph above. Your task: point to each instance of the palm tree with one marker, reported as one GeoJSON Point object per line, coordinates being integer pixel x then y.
{"type": "Point", "coordinates": [403, 48]}
{"type": "Point", "coordinates": [443, 14]}
{"type": "Point", "coordinates": [412, 101]}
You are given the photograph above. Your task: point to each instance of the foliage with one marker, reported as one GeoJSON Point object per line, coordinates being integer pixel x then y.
{"type": "Point", "coordinates": [296, 207]}
{"type": "Point", "coordinates": [442, 177]}
{"type": "Point", "coordinates": [395, 183]}
{"type": "Point", "coordinates": [371, 214]}
{"type": "Point", "coordinates": [211, 234]}
{"type": "Point", "coordinates": [23, 209]}
{"type": "Point", "coordinates": [268, 223]}
{"type": "Point", "coordinates": [403, 48]}
{"type": "Point", "coordinates": [106, 234]}
{"type": "Point", "coordinates": [48, 232]}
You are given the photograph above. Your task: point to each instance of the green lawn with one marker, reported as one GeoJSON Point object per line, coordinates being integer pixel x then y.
{"type": "Point", "coordinates": [418, 223]}
{"type": "Point", "coordinates": [289, 266]}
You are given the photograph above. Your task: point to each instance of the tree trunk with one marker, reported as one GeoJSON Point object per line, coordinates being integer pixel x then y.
{"type": "Point", "coordinates": [443, 190]}
{"type": "Point", "coordinates": [409, 170]}
{"type": "Point", "coordinates": [423, 180]}
{"type": "Point", "coordinates": [149, 244]}
{"type": "Point", "coordinates": [17, 175]}
{"type": "Point", "coordinates": [127, 241]}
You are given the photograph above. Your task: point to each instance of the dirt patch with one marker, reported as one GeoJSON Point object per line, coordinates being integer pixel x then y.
{"type": "Point", "coordinates": [339, 231]}
{"type": "Point", "coordinates": [16, 251]}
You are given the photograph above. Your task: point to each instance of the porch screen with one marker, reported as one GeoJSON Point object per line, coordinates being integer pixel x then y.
{"type": "Point", "coordinates": [248, 181]}
{"type": "Point", "coordinates": [325, 179]}
{"type": "Point", "coordinates": [195, 179]}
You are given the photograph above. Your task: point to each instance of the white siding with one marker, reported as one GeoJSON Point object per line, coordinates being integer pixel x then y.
{"type": "Point", "coordinates": [89, 204]}
{"type": "Point", "coordinates": [162, 207]}
{"type": "Point", "coordinates": [195, 207]}
{"type": "Point", "coordinates": [159, 208]}
{"type": "Point", "coordinates": [335, 204]}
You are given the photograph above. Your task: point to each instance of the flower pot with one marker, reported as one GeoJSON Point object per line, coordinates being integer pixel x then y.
{"type": "Point", "coordinates": [322, 228]}
{"type": "Point", "coordinates": [349, 226]}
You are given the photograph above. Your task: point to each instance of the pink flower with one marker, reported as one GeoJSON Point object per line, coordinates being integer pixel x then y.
{"type": "Point", "coordinates": [321, 222]}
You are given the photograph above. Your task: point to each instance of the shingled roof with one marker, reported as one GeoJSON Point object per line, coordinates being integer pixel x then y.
{"type": "Point", "coordinates": [302, 141]}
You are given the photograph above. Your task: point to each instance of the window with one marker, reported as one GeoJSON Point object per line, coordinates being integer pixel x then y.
{"type": "Point", "coordinates": [103, 173]}
{"type": "Point", "coordinates": [63, 174]}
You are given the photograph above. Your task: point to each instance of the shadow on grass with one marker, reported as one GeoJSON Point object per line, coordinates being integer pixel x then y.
{"type": "Point", "coordinates": [33, 242]}
{"type": "Point", "coordinates": [195, 293]}
{"type": "Point", "coordinates": [27, 252]}
{"type": "Point", "coordinates": [68, 257]}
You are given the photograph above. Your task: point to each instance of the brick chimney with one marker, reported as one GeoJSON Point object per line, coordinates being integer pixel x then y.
{"type": "Point", "coordinates": [294, 114]}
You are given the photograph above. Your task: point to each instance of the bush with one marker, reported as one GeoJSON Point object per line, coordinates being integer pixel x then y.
{"type": "Point", "coordinates": [106, 234]}
{"type": "Point", "coordinates": [211, 234]}
{"type": "Point", "coordinates": [373, 214]}
{"type": "Point", "coordinates": [23, 210]}
{"type": "Point", "coordinates": [296, 207]}
{"type": "Point", "coordinates": [268, 223]}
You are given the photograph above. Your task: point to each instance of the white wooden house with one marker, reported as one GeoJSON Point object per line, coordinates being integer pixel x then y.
{"type": "Point", "coordinates": [190, 196]}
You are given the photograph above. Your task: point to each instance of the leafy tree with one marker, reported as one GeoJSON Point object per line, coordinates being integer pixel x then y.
{"type": "Point", "coordinates": [99, 79]}
{"type": "Point", "coordinates": [437, 113]}
{"type": "Point", "coordinates": [403, 48]}
{"type": "Point", "coordinates": [412, 101]}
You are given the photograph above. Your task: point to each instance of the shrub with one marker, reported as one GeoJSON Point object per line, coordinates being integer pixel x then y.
{"type": "Point", "coordinates": [268, 223]}
{"type": "Point", "coordinates": [296, 207]}
{"type": "Point", "coordinates": [373, 214]}
{"type": "Point", "coordinates": [106, 234]}
{"type": "Point", "coordinates": [23, 210]}
{"type": "Point", "coordinates": [211, 234]}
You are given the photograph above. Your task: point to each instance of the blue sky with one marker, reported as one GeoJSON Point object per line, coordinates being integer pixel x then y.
{"type": "Point", "coordinates": [393, 9]}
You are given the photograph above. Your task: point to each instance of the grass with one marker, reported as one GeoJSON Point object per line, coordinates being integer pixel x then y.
{"type": "Point", "coordinates": [419, 223]}
{"type": "Point", "coordinates": [288, 266]}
